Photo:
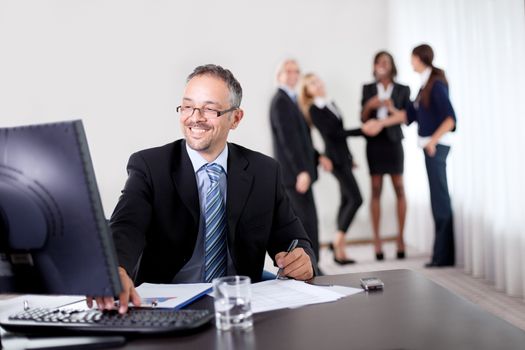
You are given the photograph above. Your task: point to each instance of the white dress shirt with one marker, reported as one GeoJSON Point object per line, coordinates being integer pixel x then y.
{"type": "Point", "coordinates": [383, 95]}
{"type": "Point", "coordinates": [322, 102]}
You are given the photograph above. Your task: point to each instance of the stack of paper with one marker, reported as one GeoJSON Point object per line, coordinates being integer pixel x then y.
{"type": "Point", "coordinates": [266, 296]}
{"type": "Point", "coordinates": [280, 294]}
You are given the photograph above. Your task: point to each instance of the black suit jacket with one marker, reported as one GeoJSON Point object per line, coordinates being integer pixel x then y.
{"type": "Point", "coordinates": [334, 134]}
{"type": "Point", "coordinates": [292, 142]}
{"type": "Point", "coordinates": [401, 99]}
{"type": "Point", "coordinates": [157, 216]}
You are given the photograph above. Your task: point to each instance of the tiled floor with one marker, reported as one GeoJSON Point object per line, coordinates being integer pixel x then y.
{"type": "Point", "coordinates": [454, 279]}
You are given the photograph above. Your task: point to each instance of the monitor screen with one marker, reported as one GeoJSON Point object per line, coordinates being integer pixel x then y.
{"type": "Point", "coordinates": [54, 238]}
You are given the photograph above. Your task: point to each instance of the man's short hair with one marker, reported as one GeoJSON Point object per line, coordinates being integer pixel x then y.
{"type": "Point", "coordinates": [223, 74]}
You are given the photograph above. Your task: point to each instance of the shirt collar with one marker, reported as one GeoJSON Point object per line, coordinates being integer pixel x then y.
{"type": "Point", "coordinates": [381, 91]}
{"type": "Point", "coordinates": [425, 75]}
{"type": "Point", "coordinates": [198, 161]}
{"type": "Point", "coordinates": [290, 92]}
{"type": "Point", "coordinates": [320, 102]}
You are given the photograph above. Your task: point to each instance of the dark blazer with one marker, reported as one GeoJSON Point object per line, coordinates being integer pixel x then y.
{"type": "Point", "coordinates": [401, 99]}
{"type": "Point", "coordinates": [292, 142]}
{"type": "Point", "coordinates": [157, 216]}
{"type": "Point", "coordinates": [430, 117]}
{"type": "Point", "coordinates": [334, 134]}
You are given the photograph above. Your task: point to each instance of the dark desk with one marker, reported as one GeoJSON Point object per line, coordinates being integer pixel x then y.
{"type": "Point", "coordinates": [411, 313]}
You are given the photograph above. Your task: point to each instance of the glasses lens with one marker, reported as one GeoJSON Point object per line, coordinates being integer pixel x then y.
{"type": "Point", "coordinates": [185, 111]}
{"type": "Point", "coordinates": [210, 113]}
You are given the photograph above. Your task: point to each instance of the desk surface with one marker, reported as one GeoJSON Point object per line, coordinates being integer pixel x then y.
{"type": "Point", "coordinates": [412, 312]}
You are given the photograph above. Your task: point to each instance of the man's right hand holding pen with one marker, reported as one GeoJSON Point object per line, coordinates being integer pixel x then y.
{"type": "Point", "coordinates": [294, 263]}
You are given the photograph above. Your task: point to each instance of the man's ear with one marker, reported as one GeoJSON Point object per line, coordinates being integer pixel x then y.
{"type": "Point", "coordinates": [237, 116]}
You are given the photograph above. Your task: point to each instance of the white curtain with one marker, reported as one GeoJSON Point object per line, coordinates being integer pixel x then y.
{"type": "Point", "coordinates": [481, 46]}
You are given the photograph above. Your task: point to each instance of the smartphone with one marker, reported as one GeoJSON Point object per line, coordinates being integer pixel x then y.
{"type": "Point", "coordinates": [371, 283]}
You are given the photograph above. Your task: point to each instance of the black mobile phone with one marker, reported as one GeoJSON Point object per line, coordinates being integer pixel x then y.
{"type": "Point", "coordinates": [371, 283]}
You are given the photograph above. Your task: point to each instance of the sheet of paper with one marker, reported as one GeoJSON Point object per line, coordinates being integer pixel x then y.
{"type": "Point", "coordinates": [171, 295]}
{"type": "Point", "coordinates": [162, 295]}
{"type": "Point", "coordinates": [14, 305]}
{"type": "Point", "coordinates": [280, 294]}
{"type": "Point", "coordinates": [345, 291]}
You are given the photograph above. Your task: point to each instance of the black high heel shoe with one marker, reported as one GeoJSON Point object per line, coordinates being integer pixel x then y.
{"type": "Point", "coordinates": [380, 256]}
{"type": "Point", "coordinates": [344, 261]}
{"type": "Point", "coordinates": [400, 255]}
{"type": "Point", "coordinates": [340, 261]}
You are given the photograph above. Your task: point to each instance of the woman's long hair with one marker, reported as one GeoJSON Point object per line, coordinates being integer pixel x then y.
{"type": "Point", "coordinates": [426, 55]}
{"type": "Point", "coordinates": [305, 99]}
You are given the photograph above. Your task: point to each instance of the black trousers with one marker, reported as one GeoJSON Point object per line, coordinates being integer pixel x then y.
{"type": "Point", "coordinates": [351, 198]}
{"type": "Point", "coordinates": [443, 253]}
{"type": "Point", "coordinates": [304, 207]}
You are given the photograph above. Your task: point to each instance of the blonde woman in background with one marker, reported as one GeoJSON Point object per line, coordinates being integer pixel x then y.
{"type": "Point", "coordinates": [322, 113]}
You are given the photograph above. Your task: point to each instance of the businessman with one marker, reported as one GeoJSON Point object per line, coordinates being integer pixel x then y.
{"type": "Point", "coordinates": [200, 207]}
{"type": "Point", "coordinates": [294, 150]}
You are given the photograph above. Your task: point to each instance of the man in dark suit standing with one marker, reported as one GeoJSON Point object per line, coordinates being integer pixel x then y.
{"type": "Point", "coordinates": [294, 150]}
{"type": "Point", "coordinates": [201, 208]}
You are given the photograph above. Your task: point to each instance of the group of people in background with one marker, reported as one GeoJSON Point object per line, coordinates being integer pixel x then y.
{"type": "Point", "coordinates": [201, 207]}
{"type": "Point", "coordinates": [386, 105]}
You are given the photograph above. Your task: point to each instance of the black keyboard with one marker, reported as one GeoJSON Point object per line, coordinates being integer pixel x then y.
{"type": "Point", "coordinates": [136, 320]}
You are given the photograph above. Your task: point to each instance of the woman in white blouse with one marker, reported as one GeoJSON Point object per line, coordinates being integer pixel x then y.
{"type": "Point", "coordinates": [385, 151]}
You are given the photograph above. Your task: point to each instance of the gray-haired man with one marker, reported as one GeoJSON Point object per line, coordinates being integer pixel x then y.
{"type": "Point", "coordinates": [200, 207]}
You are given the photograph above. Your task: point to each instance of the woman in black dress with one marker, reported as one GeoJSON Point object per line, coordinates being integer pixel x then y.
{"type": "Point", "coordinates": [385, 150]}
{"type": "Point", "coordinates": [326, 117]}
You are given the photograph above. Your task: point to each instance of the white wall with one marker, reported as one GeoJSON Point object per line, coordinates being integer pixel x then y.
{"type": "Point", "coordinates": [120, 65]}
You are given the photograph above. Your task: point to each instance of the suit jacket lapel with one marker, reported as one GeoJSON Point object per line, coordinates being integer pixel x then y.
{"type": "Point", "coordinates": [239, 185]}
{"type": "Point", "coordinates": [339, 115]}
{"type": "Point", "coordinates": [290, 100]}
{"type": "Point", "coordinates": [373, 89]}
{"type": "Point", "coordinates": [395, 94]}
{"type": "Point", "coordinates": [183, 177]}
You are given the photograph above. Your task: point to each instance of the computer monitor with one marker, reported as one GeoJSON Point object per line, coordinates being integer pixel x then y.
{"type": "Point", "coordinates": [54, 238]}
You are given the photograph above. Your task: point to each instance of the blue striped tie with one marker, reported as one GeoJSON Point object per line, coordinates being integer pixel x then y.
{"type": "Point", "coordinates": [215, 229]}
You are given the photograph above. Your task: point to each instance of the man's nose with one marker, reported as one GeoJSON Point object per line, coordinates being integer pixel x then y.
{"type": "Point", "coordinates": [197, 115]}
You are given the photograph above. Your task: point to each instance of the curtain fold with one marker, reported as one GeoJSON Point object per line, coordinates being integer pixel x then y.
{"type": "Point", "coordinates": [481, 46]}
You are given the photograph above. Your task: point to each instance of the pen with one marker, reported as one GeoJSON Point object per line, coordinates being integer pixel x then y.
{"type": "Point", "coordinates": [292, 246]}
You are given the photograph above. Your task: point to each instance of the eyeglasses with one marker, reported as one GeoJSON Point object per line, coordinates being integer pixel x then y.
{"type": "Point", "coordinates": [187, 111]}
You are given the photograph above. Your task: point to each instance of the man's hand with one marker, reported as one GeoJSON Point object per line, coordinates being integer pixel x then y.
{"type": "Point", "coordinates": [296, 264]}
{"type": "Point", "coordinates": [303, 181]}
{"type": "Point", "coordinates": [128, 294]}
{"type": "Point", "coordinates": [326, 163]}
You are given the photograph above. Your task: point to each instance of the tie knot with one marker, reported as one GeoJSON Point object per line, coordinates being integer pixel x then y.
{"type": "Point", "coordinates": [214, 171]}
